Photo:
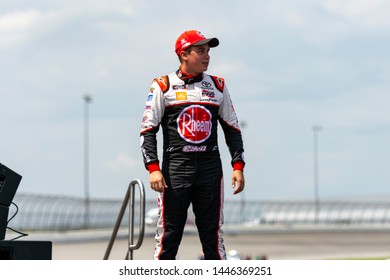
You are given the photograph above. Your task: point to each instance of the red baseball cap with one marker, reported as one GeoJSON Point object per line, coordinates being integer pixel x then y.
{"type": "Point", "coordinates": [193, 38]}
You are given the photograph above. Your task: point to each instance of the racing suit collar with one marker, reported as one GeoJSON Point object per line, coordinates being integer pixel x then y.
{"type": "Point", "coordinates": [187, 78]}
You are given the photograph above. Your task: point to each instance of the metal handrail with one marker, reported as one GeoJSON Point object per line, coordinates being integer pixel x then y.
{"type": "Point", "coordinates": [129, 199]}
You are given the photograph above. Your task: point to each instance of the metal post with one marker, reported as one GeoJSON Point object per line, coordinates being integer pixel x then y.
{"type": "Point", "coordinates": [88, 99]}
{"type": "Point", "coordinates": [136, 246]}
{"type": "Point", "coordinates": [316, 129]}
{"type": "Point", "coordinates": [131, 221]}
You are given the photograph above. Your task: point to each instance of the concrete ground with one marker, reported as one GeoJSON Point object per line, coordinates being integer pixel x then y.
{"type": "Point", "coordinates": [255, 243]}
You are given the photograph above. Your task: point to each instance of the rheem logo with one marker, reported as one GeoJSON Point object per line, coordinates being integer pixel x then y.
{"type": "Point", "coordinates": [194, 124]}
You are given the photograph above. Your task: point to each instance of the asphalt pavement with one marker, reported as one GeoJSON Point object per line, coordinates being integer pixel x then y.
{"type": "Point", "coordinates": [250, 243]}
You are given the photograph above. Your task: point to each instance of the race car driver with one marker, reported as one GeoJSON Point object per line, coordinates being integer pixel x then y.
{"type": "Point", "coordinates": [188, 104]}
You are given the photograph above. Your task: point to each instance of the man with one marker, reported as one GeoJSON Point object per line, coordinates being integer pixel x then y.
{"type": "Point", "coordinates": [188, 104]}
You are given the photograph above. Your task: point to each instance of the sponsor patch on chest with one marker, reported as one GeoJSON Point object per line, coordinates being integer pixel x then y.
{"type": "Point", "coordinates": [194, 124]}
{"type": "Point", "coordinates": [181, 95]}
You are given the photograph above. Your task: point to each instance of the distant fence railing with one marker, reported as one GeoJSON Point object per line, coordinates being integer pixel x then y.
{"type": "Point", "coordinates": [60, 213]}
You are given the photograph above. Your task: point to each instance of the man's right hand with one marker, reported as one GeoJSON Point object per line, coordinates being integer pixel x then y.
{"type": "Point", "coordinates": [157, 181]}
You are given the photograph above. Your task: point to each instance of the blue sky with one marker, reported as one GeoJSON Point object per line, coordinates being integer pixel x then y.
{"type": "Point", "coordinates": [289, 65]}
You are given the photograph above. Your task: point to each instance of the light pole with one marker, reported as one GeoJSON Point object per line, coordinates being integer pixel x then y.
{"type": "Point", "coordinates": [316, 129]}
{"type": "Point", "coordinates": [87, 100]}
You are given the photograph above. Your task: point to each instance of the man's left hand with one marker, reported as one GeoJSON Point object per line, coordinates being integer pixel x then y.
{"type": "Point", "coordinates": [238, 181]}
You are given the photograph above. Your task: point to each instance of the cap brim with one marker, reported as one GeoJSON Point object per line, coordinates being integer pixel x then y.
{"type": "Point", "coordinates": [212, 42]}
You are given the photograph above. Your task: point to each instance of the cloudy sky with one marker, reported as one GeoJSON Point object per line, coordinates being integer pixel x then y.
{"type": "Point", "coordinates": [289, 65]}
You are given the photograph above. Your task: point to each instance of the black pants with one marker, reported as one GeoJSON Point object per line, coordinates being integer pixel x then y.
{"type": "Point", "coordinates": [198, 182]}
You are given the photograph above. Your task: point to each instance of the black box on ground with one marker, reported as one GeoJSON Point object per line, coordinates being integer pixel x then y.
{"type": "Point", "coordinates": [25, 250]}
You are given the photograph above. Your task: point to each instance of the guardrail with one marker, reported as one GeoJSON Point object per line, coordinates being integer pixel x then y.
{"type": "Point", "coordinates": [56, 213]}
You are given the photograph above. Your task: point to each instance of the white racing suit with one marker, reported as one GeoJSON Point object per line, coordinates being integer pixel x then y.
{"type": "Point", "coordinates": [188, 110]}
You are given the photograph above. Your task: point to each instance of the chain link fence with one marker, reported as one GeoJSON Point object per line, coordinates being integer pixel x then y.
{"type": "Point", "coordinates": [60, 213]}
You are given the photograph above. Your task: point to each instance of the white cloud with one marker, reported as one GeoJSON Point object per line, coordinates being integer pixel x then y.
{"type": "Point", "coordinates": [19, 26]}
{"type": "Point", "coordinates": [122, 162]}
{"type": "Point", "coordinates": [370, 14]}
{"type": "Point", "coordinates": [15, 27]}
{"type": "Point", "coordinates": [17, 21]}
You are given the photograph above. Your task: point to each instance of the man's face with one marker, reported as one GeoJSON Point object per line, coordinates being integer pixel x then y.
{"type": "Point", "coordinates": [197, 60]}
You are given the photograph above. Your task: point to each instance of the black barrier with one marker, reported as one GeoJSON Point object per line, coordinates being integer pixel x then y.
{"type": "Point", "coordinates": [25, 250]}
{"type": "Point", "coordinates": [3, 220]}
{"type": "Point", "coordinates": [9, 182]}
